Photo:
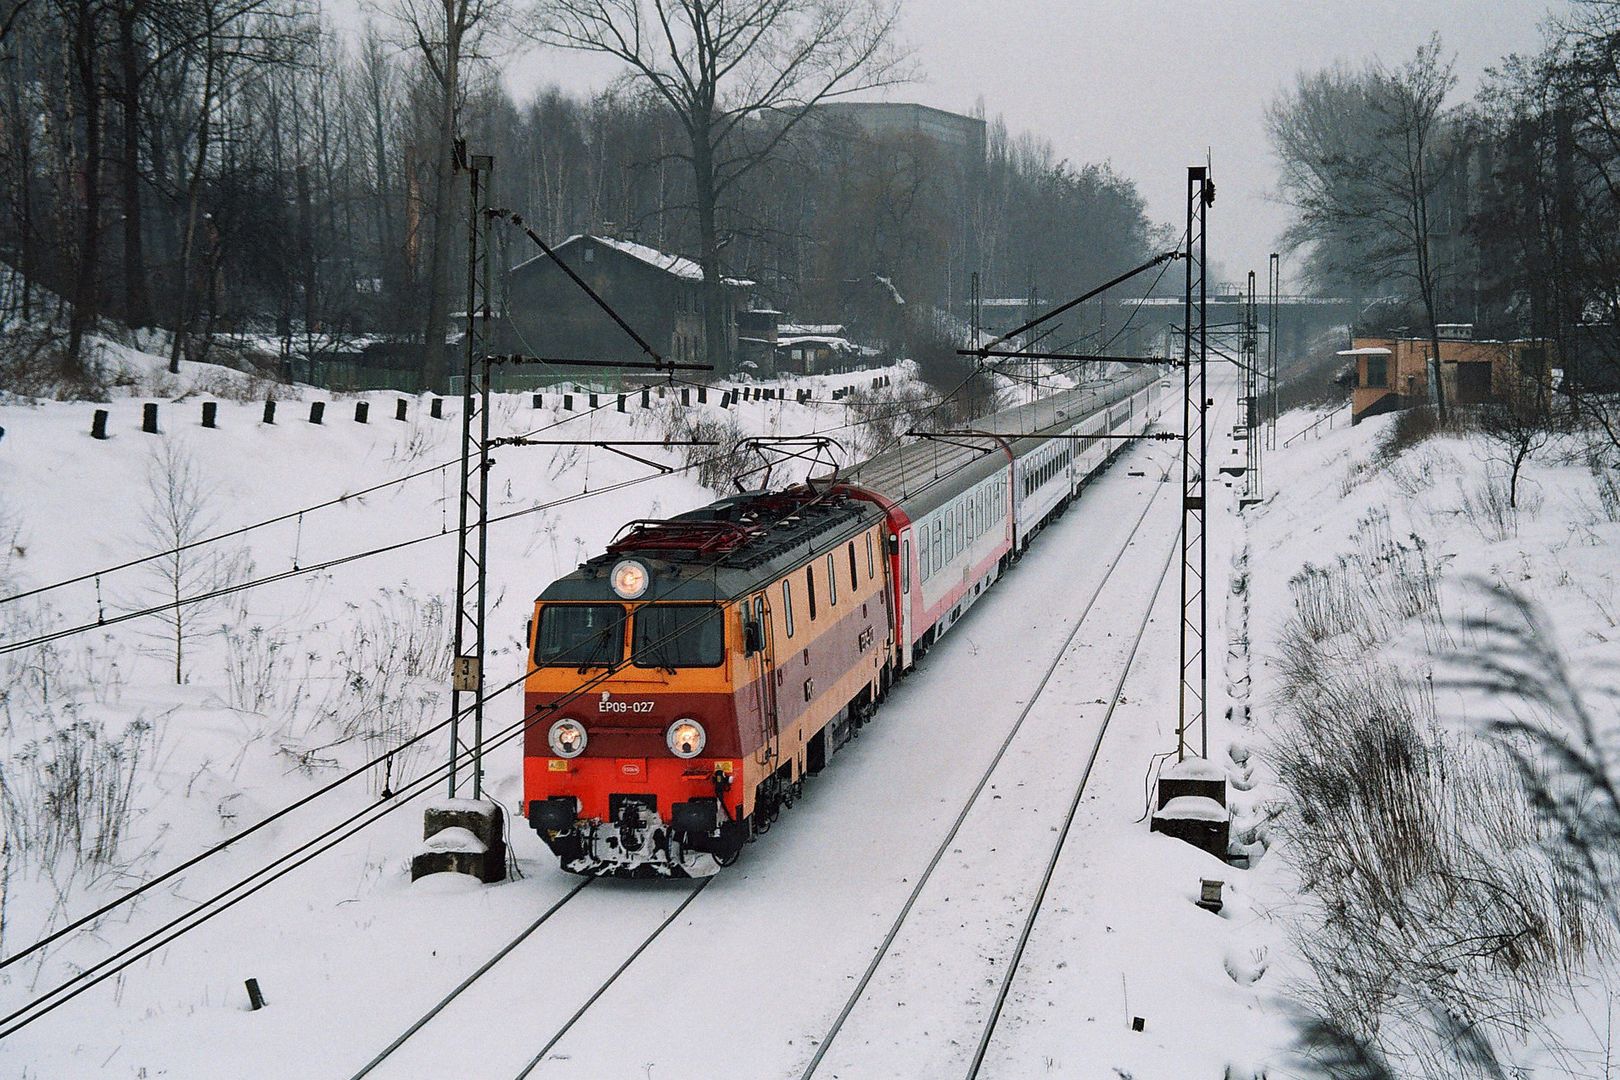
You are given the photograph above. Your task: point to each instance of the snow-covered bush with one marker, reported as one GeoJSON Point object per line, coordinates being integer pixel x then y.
{"type": "Point", "coordinates": [1419, 851]}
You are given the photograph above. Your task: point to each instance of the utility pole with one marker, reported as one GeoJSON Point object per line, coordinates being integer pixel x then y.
{"type": "Point", "coordinates": [1194, 455]}
{"type": "Point", "coordinates": [1274, 279]}
{"type": "Point", "coordinates": [473, 521]}
{"type": "Point", "coordinates": [1253, 403]}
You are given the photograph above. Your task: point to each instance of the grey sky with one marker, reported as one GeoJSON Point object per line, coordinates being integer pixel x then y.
{"type": "Point", "coordinates": [1149, 85]}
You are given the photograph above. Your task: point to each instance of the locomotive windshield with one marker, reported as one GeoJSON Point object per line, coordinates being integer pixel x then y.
{"type": "Point", "coordinates": [580, 635]}
{"type": "Point", "coordinates": [678, 635]}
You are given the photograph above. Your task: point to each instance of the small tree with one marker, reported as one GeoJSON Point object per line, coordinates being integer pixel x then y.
{"type": "Point", "coordinates": [1516, 429]}
{"type": "Point", "coordinates": [1364, 158]}
{"type": "Point", "coordinates": [176, 519]}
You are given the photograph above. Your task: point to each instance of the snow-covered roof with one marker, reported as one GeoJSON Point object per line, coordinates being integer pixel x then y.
{"type": "Point", "coordinates": [678, 265]}
{"type": "Point", "coordinates": [829, 340]}
{"type": "Point", "coordinates": [1365, 350]}
{"type": "Point", "coordinates": [806, 329]}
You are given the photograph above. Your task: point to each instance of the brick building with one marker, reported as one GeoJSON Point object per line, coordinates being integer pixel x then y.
{"type": "Point", "coordinates": [1393, 372]}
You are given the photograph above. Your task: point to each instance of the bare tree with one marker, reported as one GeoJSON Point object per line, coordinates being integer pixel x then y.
{"type": "Point", "coordinates": [176, 516]}
{"type": "Point", "coordinates": [740, 76]}
{"type": "Point", "coordinates": [1364, 157]}
{"type": "Point", "coordinates": [446, 35]}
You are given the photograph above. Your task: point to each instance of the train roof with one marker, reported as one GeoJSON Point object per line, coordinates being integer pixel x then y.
{"type": "Point", "coordinates": [724, 550]}
{"type": "Point", "coordinates": [930, 472]}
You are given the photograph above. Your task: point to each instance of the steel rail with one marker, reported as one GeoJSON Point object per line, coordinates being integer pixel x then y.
{"type": "Point", "coordinates": [973, 798]}
{"type": "Point", "coordinates": [461, 987]}
{"type": "Point", "coordinates": [557, 1036]}
{"type": "Point", "coordinates": [1011, 969]}
{"type": "Point", "coordinates": [1012, 966]}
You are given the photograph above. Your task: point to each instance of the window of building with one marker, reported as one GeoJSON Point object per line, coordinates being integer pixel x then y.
{"type": "Point", "coordinates": [1377, 372]}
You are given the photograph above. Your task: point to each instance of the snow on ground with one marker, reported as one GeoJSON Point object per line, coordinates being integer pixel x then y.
{"type": "Point", "coordinates": [283, 688]}
{"type": "Point", "coordinates": [1331, 497]}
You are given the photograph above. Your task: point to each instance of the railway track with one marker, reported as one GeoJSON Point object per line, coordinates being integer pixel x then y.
{"type": "Point", "coordinates": [1010, 966]}
{"type": "Point", "coordinates": [590, 995]}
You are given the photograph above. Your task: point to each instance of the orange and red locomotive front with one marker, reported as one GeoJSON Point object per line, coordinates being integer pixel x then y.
{"type": "Point", "coordinates": [658, 726]}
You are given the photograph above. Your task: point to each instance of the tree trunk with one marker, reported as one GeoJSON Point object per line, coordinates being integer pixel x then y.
{"type": "Point", "coordinates": [188, 246]}
{"type": "Point", "coordinates": [137, 303]}
{"type": "Point", "coordinates": [85, 290]}
{"type": "Point", "coordinates": [306, 252]}
{"type": "Point", "coordinates": [438, 284]}
{"type": "Point", "coordinates": [714, 293]}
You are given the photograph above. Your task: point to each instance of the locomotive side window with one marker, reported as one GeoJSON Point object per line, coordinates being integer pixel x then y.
{"type": "Point", "coordinates": [854, 568]}
{"type": "Point", "coordinates": [580, 635]}
{"type": "Point", "coordinates": [871, 567]}
{"type": "Point", "coordinates": [810, 585]}
{"type": "Point", "coordinates": [787, 607]}
{"type": "Point", "coordinates": [678, 635]}
{"type": "Point", "coordinates": [832, 581]}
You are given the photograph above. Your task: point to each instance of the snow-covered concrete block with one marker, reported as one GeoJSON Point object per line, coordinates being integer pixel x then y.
{"type": "Point", "coordinates": [1192, 776]}
{"type": "Point", "coordinates": [1197, 819]}
{"type": "Point", "coordinates": [462, 836]}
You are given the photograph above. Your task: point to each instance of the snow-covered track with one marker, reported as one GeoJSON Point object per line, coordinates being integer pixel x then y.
{"type": "Point", "coordinates": [975, 796]}
{"type": "Point", "coordinates": [1010, 971]}
{"type": "Point", "coordinates": [462, 986]}
{"type": "Point", "coordinates": [1146, 587]}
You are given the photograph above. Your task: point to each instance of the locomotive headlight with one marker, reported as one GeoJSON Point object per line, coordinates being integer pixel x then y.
{"type": "Point", "coordinates": [630, 579]}
{"type": "Point", "coordinates": [686, 738]}
{"type": "Point", "coordinates": [567, 738]}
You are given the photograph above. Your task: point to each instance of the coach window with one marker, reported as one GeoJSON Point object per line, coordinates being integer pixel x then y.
{"type": "Point", "coordinates": [787, 607]}
{"type": "Point", "coordinates": [950, 535]}
{"type": "Point", "coordinates": [961, 530]}
{"type": "Point", "coordinates": [810, 586]}
{"type": "Point", "coordinates": [905, 565]}
{"type": "Point", "coordinates": [832, 581]}
{"type": "Point", "coordinates": [939, 545]}
{"type": "Point", "coordinates": [854, 567]}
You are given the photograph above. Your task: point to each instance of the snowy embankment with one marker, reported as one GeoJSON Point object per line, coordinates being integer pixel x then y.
{"type": "Point", "coordinates": [1426, 905]}
{"type": "Point", "coordinates": [127, 747]}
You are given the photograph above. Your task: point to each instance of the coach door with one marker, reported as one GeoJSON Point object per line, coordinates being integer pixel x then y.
{"type": "Point", "coordinates": [761, 616]}
{"type": "Point", "coordinates": [902, 618]}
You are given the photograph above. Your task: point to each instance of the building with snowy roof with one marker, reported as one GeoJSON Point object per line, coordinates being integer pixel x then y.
{"type": "Point", "coordinates": [1393, 372]}
{"type": "Point", "coordinates": [657, 293]}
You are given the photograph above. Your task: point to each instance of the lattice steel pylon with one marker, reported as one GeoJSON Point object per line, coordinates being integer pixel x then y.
{"type": "Point", "coordinates": [1253, 401]}
{"type": "Point", "coordinates": [1194, 456]}
{"type": "Point", "coordinates": [1274, 282]}
{"type": "Point", "coordinates": [473, 521]}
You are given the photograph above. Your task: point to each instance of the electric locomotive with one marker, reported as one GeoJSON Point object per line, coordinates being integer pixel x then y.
{"type": "Point", "coordinates": [724, 654]}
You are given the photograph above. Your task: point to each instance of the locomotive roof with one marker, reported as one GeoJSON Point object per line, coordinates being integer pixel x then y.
{"type": "Point", "coordinates": [930, 472]}
{"type": "Point", "coordinates": [724, 550]}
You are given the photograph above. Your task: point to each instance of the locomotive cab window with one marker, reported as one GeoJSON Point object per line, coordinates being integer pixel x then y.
{"type": "Point", "coordinates": [678, 636]}
{"type": "Point", "coordinates": [579, 635]}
